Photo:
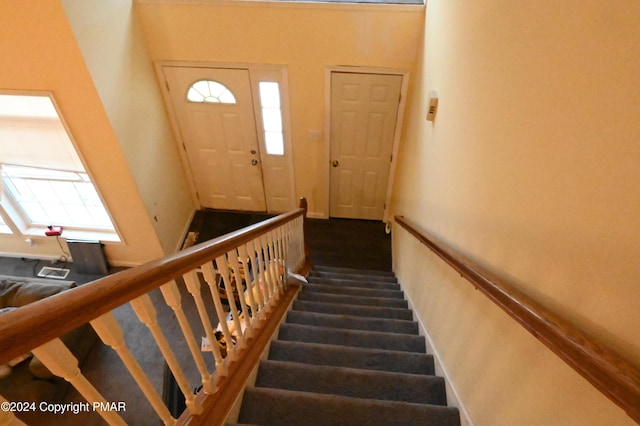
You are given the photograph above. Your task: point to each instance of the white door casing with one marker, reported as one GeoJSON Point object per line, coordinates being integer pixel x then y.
{"type": "Point", "coordinates": [220, 140]}
{"type": "Point", "coordinates": [364, 113]}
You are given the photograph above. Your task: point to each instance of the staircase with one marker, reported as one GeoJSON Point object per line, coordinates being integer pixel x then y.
{"type": "Point", "coordinates": [348, 354]}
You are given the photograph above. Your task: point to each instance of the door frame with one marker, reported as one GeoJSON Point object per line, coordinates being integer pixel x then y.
{"type": "Point", "coordinates": [254, 70]}
{"type": "Point", "coordinates": [398, 130]}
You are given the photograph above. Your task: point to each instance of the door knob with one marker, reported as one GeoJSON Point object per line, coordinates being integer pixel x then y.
{"type": "Point", "coordinates": [254, 162]}
{"type": "Point", "coordinates": [253, 151]}
{"type": "Point", "coordinates": [335, 163]}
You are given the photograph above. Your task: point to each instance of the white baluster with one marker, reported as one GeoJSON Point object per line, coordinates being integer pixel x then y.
{"type": "Point", "coordinates": [61, 362]}
{"type": "Point", "coordinates": [210, 278]}
{"type": "Point", "coordinates": [172, 296]}
{"type": "Point", "coordinates": [291, 247]}
{"type": "Point", "coordinates": [281, 258]}
{"type": "Point", "coordinates": [193, 286]}
{"type": "Point", "coordinates": [268, 254]}
{"type": "Point", "coordinates": [144, 309]}
{"type": "Point", "coordinates": [242, 250]}
{"type": "Point", "coordinates": [111, 334]}
{"type": "Point", "coordinates": [7, 418]}
{"type": "Point", "coordinates": [257, 285]}
{"type": "Point", "coordinates": [242, 288]}
{"type": "Point", "coordinates": [223, 270]}
{"type": "Point", "coordinates": [280, 255]}
{"type": "Point", "coordinates": [268, 258]}
{"type": "Point", "coordinates": [275, 262]}
{"type": "Point", "coordinates": [268, 297]}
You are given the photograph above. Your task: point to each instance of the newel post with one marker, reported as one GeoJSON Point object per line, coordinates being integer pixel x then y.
{"type": "Point", "coordinates": [307, 256]}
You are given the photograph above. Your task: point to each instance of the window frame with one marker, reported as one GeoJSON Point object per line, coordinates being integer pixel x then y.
{"type": "Point", "coordinates": [14, 215]}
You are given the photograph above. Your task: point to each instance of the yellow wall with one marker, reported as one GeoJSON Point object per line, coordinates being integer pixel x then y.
{"type": "Point", "coordinates": [531, 169]}
{"type": "Point", "coordinates": [38, 52]}
{"type": "Point", "coordinates": [307, 38]}
{"type": "Point", "coordinates": [113, 47]}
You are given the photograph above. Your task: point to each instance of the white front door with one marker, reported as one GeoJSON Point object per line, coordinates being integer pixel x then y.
{"type": "Point", "coordinates": [215, 117]}
{"type": "Point", "coordinates": [364, 110]}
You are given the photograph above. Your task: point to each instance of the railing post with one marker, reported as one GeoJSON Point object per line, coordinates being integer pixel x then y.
{"type": "Point", "coordinates": [307, 256]}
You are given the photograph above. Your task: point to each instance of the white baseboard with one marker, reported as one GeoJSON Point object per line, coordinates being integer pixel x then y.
{"type": "Point", "coordinates": [453, 399]}
{"type": "Point", "coordinates": [185, 231]}
{"type": "Point", "coordinates": [317, 215]}
{"type": "Point", "coordinates": [29, 256]}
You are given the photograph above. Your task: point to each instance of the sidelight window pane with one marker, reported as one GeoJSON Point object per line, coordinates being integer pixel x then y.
{"type": "Point", "coordinates": [271, 117]}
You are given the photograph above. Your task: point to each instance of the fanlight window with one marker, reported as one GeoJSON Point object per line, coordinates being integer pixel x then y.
{"type": "Point", "coordinates": [209, 91]}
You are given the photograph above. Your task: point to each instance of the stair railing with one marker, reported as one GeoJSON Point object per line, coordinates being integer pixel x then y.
{"type": "Point", "coordinates": [248, 266]}
{"type": "Point", "coordinates": [605, 369]}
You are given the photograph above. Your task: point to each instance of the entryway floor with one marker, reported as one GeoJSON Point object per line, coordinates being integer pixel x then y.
{"type": "Point", "coordinates": [349, 243]}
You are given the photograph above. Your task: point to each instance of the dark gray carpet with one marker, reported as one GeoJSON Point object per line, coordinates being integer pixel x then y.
{"type": "Point", "coordinates": [339, 369]}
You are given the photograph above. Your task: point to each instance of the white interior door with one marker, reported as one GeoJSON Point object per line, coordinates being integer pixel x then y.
{"type": "Point", "coordinates": [215, 115]}
{"type": "Point", "coordinates": [364, 110]}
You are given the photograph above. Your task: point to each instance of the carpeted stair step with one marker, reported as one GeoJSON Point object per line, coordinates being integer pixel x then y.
{"type": "Point", "coordinates": [354, 276]}
{"type": "Point", "coordinates": [352, 300]}
{"type": "Point", "coordinates": [354, 291]}
{"type": "Point", "coordinates": [283, 407]}
{"type": "Point", "coordinates": [352, 357]}
{"type": "Point", "coordinates": [352, 322]}
{"type": "Point", "coordinates": [343, 282]}
{"type": "Point", "coordinates": [351, 382]}
{"type": "Point", "coordinates": [338, 270]}
{"type": "Point", "coordinates": [355, 310]}
{"type": "Point", "coordinates": [358, 338]}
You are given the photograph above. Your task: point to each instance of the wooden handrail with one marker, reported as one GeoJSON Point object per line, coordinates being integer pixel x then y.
{"type": "Point", "coordinates": [34, 324]}
{"type": "Point", "coordinates": [608, 371]}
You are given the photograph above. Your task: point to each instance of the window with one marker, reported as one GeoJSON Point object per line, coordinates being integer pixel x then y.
{"type": "Point", "coordinates": [54, 197]}
{"type": "Point", "coordinates": [209, 91]}
{"type": "Point", "coordinates": [271, 117]}
{"type": "Point", "coordinates": [44, 182]}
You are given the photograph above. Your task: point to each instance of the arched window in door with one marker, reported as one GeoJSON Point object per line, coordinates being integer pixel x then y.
{"type": "Point", "coordinates": [209, 91]}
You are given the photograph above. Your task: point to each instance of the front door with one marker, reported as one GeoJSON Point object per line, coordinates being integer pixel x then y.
{"type": "Point", "coordinates": [364, 110]}
{"type": "Point", "coordinates": [215, 116]}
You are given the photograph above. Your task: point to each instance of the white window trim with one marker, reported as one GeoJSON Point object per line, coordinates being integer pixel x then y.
{"type": "Point", "coordinates": [15, 219]}
{"type": "Point", "coordinates": [13, 215]}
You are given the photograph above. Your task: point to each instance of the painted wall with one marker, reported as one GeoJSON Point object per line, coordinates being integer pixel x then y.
{"type": "Point", "coordinates": [38, 52]}
{"type": "Point", "coordinates": [113, 47]}
{"type": "Point", "coordinates": [531, 169]}
{"type": "Point", "coordinates": [307, 38]}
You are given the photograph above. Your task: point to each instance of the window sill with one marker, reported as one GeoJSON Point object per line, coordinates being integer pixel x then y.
{"type": "Point", "coordinates": [77, 234]}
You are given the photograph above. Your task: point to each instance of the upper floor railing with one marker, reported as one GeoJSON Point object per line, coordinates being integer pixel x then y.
{"type": "Point", "coordinates": [605, 369]}
{"type": "Point", "coordinates": [248, 268]}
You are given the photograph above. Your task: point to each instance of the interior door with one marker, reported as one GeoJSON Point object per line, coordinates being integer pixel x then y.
{"type": "Point", "coordinates": [364, 110]}
{"type": "Point", "coordinates": [215, 115]}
